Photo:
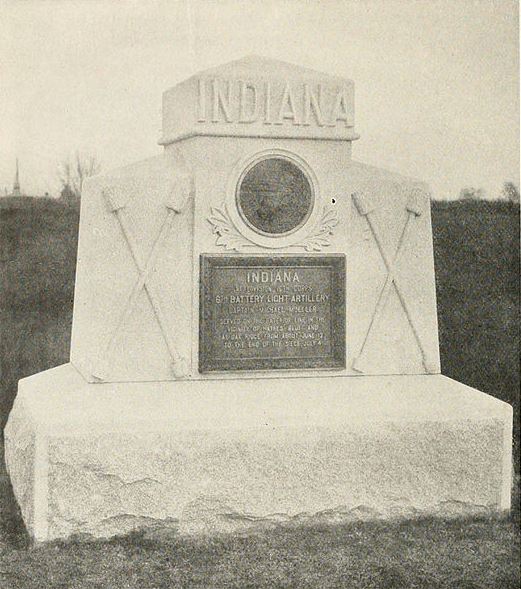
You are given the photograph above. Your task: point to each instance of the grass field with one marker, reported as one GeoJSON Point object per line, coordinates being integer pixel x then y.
{"type": "Point", "coordinates": [477, 265]}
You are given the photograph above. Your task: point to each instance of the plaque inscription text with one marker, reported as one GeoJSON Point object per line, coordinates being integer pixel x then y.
{"type": "Point", "coordinates": [271, 312]}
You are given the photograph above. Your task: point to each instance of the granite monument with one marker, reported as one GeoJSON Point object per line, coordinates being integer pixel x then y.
{"type": "Point", "coordinates": [254, 334]}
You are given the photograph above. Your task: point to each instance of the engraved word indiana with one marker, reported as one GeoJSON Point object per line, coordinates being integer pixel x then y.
{"type": "Point", "coordinates": [272, 103]}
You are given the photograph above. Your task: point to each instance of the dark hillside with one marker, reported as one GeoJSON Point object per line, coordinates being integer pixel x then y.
{"type": "Point", "coordinates": [476, 254]}
{"type": "Point", "coordinates": [37, 264]}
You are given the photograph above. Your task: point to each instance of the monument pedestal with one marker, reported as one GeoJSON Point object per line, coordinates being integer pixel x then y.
{"type": "Point", "coordinates": [222, 455]}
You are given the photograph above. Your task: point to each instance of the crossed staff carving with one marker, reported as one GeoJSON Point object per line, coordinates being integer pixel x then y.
{"type": "Point", "coordinates": [391, 260]}
{"type": "Point", "coordinates": [174, 206]}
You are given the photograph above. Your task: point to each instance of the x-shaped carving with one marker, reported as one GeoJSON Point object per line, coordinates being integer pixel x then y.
{"type": "Point", "coordinates": [144, 267]}
{"type": "Point", "coordinates": [391, 260]}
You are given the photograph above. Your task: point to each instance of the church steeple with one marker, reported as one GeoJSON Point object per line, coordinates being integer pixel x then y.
{"type": "Point", "coordinates": [16, 184]}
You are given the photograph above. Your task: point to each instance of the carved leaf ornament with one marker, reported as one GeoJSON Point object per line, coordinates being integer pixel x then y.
{"type": "Point", "coordinates": [228, 236]}
{"type": "Point", "coordinates": [320, 238]}
{"type": "Point", "coordinates": [231, 239]}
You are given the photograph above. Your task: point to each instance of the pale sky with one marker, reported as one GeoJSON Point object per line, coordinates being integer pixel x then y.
{"type": "Point", "coordinates": [436, 82]}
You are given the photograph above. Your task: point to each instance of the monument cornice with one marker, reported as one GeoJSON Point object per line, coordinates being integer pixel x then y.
{"type": "Point", "coordinates": [168, 140]}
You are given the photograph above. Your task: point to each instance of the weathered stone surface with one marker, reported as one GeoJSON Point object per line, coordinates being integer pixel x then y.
{"type": "Point", "coordinates": [204, 457]}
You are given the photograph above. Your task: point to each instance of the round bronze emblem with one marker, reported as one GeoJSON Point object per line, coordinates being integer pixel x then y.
{"type": "Point", "coordinates": [275, 197]}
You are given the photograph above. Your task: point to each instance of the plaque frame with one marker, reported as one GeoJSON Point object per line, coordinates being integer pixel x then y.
{"type": "Point", "coordinates": [208, 362]}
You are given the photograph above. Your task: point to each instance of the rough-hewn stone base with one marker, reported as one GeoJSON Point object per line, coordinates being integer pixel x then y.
{"type": "Point", "coordinates": [208, 456]}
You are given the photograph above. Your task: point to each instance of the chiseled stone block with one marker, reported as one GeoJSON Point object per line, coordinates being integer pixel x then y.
{"type": "Point", "coordinates": [217, 456]}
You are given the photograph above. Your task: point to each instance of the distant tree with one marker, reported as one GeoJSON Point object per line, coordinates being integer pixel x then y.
{"type": "Point", "coordinates": [470, 193]}
{"type": "Point", "coordinates": [510, 193]}
{"type": "Point", "coordinates": [72, 172]}
{"type": "Point", "coordinates": [67, 195]}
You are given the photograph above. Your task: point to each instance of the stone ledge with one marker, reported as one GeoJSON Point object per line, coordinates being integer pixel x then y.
{"type": "Point", "coordinates": [79, 406]}
{"type": "Point", "coordinates": [210, 456]}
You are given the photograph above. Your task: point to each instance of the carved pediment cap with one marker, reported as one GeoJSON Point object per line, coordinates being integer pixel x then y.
{"type": "Point", "coordinates": [265, 67]}
{"type": "Point", "coordinates": [260, 97]}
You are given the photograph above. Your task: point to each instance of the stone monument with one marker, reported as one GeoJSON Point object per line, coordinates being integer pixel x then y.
{"type": "Point", "coordinates": [254, 334]}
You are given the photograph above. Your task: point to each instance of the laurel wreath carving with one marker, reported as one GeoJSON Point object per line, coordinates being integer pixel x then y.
{"type": "Point", "coordinates": [230, 238]}
{"type": "Point", "coordinates": [320, 238]}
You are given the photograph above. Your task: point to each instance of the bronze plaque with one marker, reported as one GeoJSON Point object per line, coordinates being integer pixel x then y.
{"type": "Point", "coordinates": [274, 197]}
{"type": "Point", "coordinates": [271, 312]}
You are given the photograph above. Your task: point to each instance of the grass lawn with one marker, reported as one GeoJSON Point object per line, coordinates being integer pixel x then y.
{"type": "Point", "coordinates": [477, 265]}
{"type": "Point", "coordinates": [429, 554]}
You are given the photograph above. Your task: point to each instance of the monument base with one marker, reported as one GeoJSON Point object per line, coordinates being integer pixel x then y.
{"type": "Point", "coordinates": [213, 456]}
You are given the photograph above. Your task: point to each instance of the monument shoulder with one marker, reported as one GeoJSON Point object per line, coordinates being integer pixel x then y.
{"type": "Point", "coordinates": [384, 175]}
{"type": "Point", "coordinates": [152, 175]}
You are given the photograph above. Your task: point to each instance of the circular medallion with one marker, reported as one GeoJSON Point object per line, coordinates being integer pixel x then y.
{"type": "Point", "coordinates": [274, 196]}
